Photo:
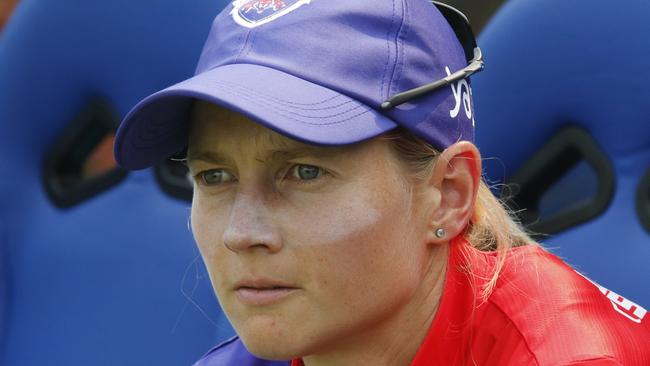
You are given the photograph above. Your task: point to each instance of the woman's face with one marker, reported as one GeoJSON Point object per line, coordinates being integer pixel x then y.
{"type": "Point", "coordinates": [308, 248]}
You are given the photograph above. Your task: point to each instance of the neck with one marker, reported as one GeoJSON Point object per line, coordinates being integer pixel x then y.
{"type": "Point", "coordinates": [395, 341]}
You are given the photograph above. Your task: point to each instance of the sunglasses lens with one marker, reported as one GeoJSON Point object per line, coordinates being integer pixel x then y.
{"type": "Point", "coordinates": [460, 24]}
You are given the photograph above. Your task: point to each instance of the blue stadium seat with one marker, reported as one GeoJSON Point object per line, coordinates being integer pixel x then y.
{"type": "Point", "coordinates": [101, 271]}
{"type": "Point", "coordinates": [564, 107]}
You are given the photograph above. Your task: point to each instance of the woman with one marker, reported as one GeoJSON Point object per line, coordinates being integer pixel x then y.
{"type": "Point", "coordinates": [339, 207]}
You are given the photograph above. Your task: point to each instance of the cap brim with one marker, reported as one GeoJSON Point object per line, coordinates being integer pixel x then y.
{"type": "Point", "coordinates": [157, 127]}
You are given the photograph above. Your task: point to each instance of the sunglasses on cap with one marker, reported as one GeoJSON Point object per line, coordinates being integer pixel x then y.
{"type": "Point", "coordinates": [460, 24]}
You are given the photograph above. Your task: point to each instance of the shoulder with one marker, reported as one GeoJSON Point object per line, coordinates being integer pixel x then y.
{"type": "Point", "coordinates": [233, 353]}
{"type": "Point", "coordinates": [564, 318]}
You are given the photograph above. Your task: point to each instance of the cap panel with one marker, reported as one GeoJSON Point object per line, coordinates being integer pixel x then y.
{"type": "Point", "coordinates": [224, 43]}
{"type": "Point", "coordinates": [344, 46]}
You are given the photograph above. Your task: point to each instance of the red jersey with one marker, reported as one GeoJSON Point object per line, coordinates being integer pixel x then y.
{"type": "Point", "coordinates": [541, 312]}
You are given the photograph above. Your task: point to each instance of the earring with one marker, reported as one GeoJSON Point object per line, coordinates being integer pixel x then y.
{"type": "Point", "coordinates": [440, 233]}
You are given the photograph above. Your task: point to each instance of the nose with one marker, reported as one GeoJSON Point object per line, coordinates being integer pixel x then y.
{"type": "Point", "coordinates": [251, 226]}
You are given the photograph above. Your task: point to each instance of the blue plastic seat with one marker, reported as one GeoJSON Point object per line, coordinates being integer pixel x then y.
{"type": "Point", "coordinates": [108, 275]}
{"type": "Point", "coordinates": [564, 107]}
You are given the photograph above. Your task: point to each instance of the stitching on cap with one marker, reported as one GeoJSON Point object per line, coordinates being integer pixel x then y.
{"type": "Point", "coordinates": [262, 96]}
{"type": "Point", "coordinates": [287, 102]}
{"type": "Point", "coordinates": [251, 40]}
{"type": "Point", "coordinates": [397, 48]}
{"type": "Point", "coordinates": [244, 44]}
{"type": "Point", "coordinates": [280, 111]}
{"type": "Point", "coordinates": [262, 101]}
{"type": "Point", "coordinates": [401, 39]}
{"type": "Point", "coordinates": [383, 80]}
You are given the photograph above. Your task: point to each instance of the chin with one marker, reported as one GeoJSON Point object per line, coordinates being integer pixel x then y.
{"type": "Point", "coordinates": [269, 338]}
{"type": "Point", "coordinates": [271, 349]}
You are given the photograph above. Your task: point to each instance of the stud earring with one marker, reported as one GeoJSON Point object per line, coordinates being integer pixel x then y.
{"type": "Point", "coordinates": [440, 233]}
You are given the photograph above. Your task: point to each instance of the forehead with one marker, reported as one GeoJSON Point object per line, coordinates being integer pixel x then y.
{"type": "Point", "coordinates": [212, 125]}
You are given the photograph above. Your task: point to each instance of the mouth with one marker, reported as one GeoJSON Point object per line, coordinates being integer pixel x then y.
{"type": "Point", "coordinates": [263, 293]}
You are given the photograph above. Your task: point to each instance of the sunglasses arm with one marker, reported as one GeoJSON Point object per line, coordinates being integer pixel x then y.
{"type": "Point", "coordinates": [476, 65]}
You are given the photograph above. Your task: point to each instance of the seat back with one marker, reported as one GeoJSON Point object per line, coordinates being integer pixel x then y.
{"type": "Point", "coordinates": [563, 107]}
{"type": "Point", "coordinates": [98, 268]}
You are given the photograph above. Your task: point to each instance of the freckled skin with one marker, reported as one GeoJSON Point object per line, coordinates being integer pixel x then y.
{"type": "Point", "coordinates": [352, 241]}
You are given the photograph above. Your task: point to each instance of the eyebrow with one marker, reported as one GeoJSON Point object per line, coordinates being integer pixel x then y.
{"type": "Point", "coordinates": [305, 151]}
{"type": "Point", "coordinates": [275, 155]}
{"type": "Point", "coordinates": [208, 157]}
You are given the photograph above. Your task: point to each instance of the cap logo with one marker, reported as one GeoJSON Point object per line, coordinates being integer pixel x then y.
{"type": "Point", "coordinates": [253, 13]}
{"type": "Point", "coordinates": [463, 96]}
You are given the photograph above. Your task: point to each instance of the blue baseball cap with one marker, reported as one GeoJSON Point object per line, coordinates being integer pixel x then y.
{"type": "Point", "coordinates": [318, 71]}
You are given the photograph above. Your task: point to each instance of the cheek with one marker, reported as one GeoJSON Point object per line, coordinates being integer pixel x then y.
{"type": "Point", "coordinates": [339, 223]}
{"type": "Point", "coordinates": [362, 266]}
{"type": "Point", "coordinates": [361, 250]}
{"type": "Point", "coordinates": [347, 221]}
{"type": "Point", "coordinates": [208, 222]}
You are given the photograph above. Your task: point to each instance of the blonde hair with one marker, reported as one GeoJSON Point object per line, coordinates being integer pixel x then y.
{"type": "Point", "coordinates": [492, 226]}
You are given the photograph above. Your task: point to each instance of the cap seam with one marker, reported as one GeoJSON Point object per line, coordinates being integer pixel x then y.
{"type": "Point", "coordinates": [398, 47]}
{"type": "Point", "coordinates": [251, 40]}
{"type": "Point", "coordinates": [402, 35]}
{"type": "Point", "coordinates": [244, 44]}
{"type": "Point", "coordinates": [385, 73]}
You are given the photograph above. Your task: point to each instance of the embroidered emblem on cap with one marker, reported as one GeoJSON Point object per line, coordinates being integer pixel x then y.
{"type": "Point", "coordinates": [253, 13]}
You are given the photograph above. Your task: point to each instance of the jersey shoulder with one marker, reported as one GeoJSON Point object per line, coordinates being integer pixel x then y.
{"type": "Point", "coordinates": [232, 352]}
{"type": "Point", "coordinates": [563, 317]}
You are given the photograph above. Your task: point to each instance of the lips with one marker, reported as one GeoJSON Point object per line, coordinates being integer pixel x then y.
{"type": "Point", "coordinates": [261, 292]}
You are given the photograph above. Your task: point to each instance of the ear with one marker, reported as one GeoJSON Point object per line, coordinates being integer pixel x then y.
{"type": "Point", "coordinates": [456, 176]}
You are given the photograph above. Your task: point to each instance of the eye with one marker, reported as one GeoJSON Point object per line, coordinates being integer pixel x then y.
{"type": "Point", "coordinates": [306, 172]}
{"type": "Point", "coordinates": [215, 177]}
